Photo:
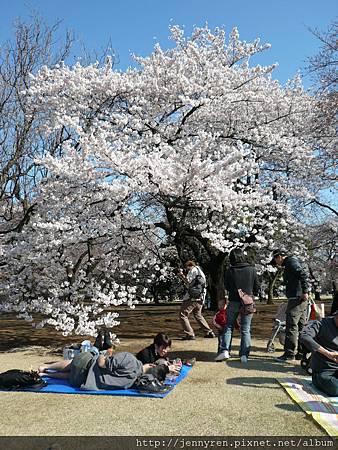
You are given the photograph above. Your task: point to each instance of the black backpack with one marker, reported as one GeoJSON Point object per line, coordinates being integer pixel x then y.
{"type": "Point", "coordinates": [149, 384]}
{"type": "Point", "coordinates": [21, 379]}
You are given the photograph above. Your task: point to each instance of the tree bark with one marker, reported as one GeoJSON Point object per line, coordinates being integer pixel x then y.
{"type": "Point", "coordinates": [271, 286]}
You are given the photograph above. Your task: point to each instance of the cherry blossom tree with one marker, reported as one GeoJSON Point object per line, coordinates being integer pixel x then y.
{"type": "Point", "coordinates": [190, 154]}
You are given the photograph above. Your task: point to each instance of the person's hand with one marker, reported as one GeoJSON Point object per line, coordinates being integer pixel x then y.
{"type": "Point", "coordinates": [109, 351]}
{"type": "Point", "coordinates": [174, 368]}
{"type": "Point", "coordinates": [304, 297]}
{"type": "Point", "coordinates": [333, 356]}
{"type": "Point", "coordinates": [146, 367]}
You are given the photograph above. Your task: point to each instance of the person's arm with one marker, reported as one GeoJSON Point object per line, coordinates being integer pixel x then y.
{"type": "Point", "coordinates": [102, 359]}
{"type": "Point", "coordinates": [182, 276]}
{"type": "Point", "coordinates": [302, 276]}
{"type": "Point", "coordinates": [257, 285]}
{"type": "Point", "coordinates": [214, 321]}
{"type": "Point", "coordinates": [329, 355]}
{"type": "Point", "coordinates": [307, 337]}
{"type": "Point", "coordinates": [146, 367]}
{"type": "Point", "coordinates": [226, 280]}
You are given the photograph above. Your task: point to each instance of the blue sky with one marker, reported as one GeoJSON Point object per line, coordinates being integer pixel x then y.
{"type": "Point", "coordinates": [135, 25]}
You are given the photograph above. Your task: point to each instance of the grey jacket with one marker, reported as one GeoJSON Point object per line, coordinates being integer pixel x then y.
{"type": "Point", "coordinates": [295, 278]}
{"type": "Point", "coordinates": [323, 333]}
{"type": "Point", "coordinates": [121, 372]}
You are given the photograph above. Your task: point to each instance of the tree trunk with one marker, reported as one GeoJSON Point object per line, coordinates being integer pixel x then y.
{"type": "Point", "coordinates": [215, 270]}
{"type": "Point", "coordinates": [272, 282]}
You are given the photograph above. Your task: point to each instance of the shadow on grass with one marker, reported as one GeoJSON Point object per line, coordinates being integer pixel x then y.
{"type": "Point", "coordinates": [188, 354]}
{"type": "Point", "coordinates": [289, 407]}
{"type": "Point", "coordinates": [258, 382]}
{"type": "Point", "coordinates": [267, 365]}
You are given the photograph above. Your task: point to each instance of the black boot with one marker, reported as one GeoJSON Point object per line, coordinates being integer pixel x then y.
{"type": "Point", "coordinates": [107, 340]}
{"type": "Point", "coordinates": [99, 341]}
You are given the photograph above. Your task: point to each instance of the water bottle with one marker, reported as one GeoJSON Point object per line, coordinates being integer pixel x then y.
{"type": "Point", "coordinates": [85, 346]}
{"type": "Point", "coordinates": [178, 362]}
{"type": "Point", "coordinates": [68, 353]}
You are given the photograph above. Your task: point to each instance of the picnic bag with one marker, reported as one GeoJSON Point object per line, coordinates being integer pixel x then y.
{"type": "Point", "coordinates": [21, 379]}
{"type": "Point", "coordinates": [149, 383]}
{"type": "Point", "coordinates": [247, 302]}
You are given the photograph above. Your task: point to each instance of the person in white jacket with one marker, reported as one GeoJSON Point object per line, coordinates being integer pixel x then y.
{"type": "Point", "coordinates": [193, 301]}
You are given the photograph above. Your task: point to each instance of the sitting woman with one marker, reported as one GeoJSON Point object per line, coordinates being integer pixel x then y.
{"type": "Point", "coordinates": [109, 371]}
{"type": "Point", "coordinates": [157, 353]}
{"type": "Point", "coordinates": [321, 337]}
{"type": "Point", "coordinates": [158, 349]}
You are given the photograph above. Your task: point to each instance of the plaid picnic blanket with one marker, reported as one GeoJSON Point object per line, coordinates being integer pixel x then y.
{"type": "Point", "coordinates": [322, 408]}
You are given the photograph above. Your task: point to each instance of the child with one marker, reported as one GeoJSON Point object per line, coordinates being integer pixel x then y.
{"type": "Point", "coordinates": [220, 320]}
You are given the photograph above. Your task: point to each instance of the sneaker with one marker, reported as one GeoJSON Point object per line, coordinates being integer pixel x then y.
{"type": "Point", "coordinates": [285, 358]}
{"type": "Point", "coordinates": [244, 359]}
{"type": "Point", "coordinates": [222, 356]}
{"type": "Point", "coordinates": [210, 334]}
{"type": "Point", "coordinates": [188, 337]}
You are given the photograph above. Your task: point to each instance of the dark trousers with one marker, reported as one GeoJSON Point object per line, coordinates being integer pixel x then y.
{"type": "Point", "coordinates": [327, 381]}
{"type": "Point", "coordinates": [295, 321]}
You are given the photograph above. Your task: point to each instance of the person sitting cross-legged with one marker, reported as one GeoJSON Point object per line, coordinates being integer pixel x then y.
{"type": "Point", "coordinates": [321, 337]}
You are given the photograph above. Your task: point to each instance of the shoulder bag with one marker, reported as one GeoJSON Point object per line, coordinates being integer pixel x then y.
{"type": "Point", "coordinates": [247, 300]}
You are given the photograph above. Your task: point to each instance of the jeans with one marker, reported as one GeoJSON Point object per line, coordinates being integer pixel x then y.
{"type": "Point", "coordinates": [232, 313]}
{"type": "Point", "coordinates": [327, 381]}
{"type": "Point", "coordinates": [295, 321]}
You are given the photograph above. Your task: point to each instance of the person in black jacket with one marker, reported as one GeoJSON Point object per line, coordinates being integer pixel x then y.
{"type": "Point", "coordinates": [297, 289]}
{"type": "Point", "coordinates": [240, 275]}
{"type": "Point", "coordinates": [157, 353]}
{"type": "Point", "coordinates": [158, 349]}
{"type": "Point", "coordinates": [321, 337]}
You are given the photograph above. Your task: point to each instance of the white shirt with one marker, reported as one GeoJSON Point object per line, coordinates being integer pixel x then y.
{"type": "Point", "coordinates": [191, 275]}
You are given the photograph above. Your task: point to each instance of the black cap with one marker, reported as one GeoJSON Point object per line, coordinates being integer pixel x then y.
{"type": "Point", "coordinates": [277, 252]}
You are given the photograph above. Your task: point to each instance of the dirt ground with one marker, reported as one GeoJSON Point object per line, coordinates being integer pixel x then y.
{"type": "Point", "coordinates": [216, 399]}
{"type": "Point", "coordinates": [140, 323]}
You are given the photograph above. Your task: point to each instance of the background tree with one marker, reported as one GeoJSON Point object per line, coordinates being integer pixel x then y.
{"type": "Point", "coordinates": [193, 153]}
{"type": "Point", "coordinates": [20, 140]}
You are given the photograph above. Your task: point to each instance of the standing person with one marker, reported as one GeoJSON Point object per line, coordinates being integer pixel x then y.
{"type": "Point", "coordinates": [240, 275]}
{"type": "Point", "coordinates": [194, 277]}
{"type": "Point", "coordinates": [321, 337]}
{"type": "Point", "coordinates": [297, 292]}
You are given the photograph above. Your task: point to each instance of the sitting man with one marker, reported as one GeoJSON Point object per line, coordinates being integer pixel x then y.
{"type": "Point", "coordinates": [321, 337]}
